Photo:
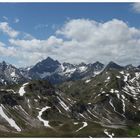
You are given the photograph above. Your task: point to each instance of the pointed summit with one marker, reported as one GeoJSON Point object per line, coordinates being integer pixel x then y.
{"type": "Point", "coordinates": [113, 65]}
{"type": "Point", "coordinates": [3, 65]}
{"type": "Point", "coordinates": [46, 65]}
{"type": "Point", "coordinates": [97, 63]}
{"type": "Point", "coordinates": [50, 61]}
{"type": "Point", "coordinates": [97, 66]}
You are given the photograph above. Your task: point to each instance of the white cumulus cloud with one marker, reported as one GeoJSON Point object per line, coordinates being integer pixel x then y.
{"type": "Point", "coordinates": [136, 7]}
{"type": "Point", "coordinates": [82, 40]}
{"type": "Point", "coordinates": [5, 28]}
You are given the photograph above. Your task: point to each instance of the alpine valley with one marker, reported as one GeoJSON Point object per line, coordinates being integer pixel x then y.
{"type": "Point", "coordinates": [53, 99]}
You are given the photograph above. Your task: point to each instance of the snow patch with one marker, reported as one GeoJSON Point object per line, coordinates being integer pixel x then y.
{"type": "Point", "coordinates": [13, 74]}
{"type": "Point", "coordinates": [23, 109]}
{"type": "Point", "coordinates": [9, 120]}
{"type": "Point", "coordinates": [38, 97]}
{"type": "Point", "coordinates": [121, 72]}
{"type": "Point", "coordinates": [69, 71]}
{"type": "Point", "coordinates": [116, 91]}
{"type": "Point", "coordinates": [44, 74]}
{"type": "Point", "coordinates": [82, 68]}
{"type": "Point", "coordinates": [92, 114]}
{"type": "Point", "coordinates": [11, 90]}
{"type": "Point", "coordinates": [35, 100]}
{"type": "Point", "coordinates": [63, 104]}
{"type": "Point", "coordinates": [84, 125]}
{"type": "Point", "coordinates": [82, 115]}
{"type": "Point", "coordinates": [75, 123]}
{"type": "Point", "coordinates": [87, 81]}
{"type": "Point", "coordinates": [112, 90]}
{"type": "Point", "coordinates": [126, 77]}
{"type": "Point", "coordinates": [109, 135]}
{"type": "Point", "coordinates": [21, 90]}
{"type": "Point", "coordinates": [45, 122]}
{"type": "Point", "coordinates": [118, 76]}
{"type": "Point", "coordinates": [28, 103]}
{"type": "Point", "coordinates": [108, 78]}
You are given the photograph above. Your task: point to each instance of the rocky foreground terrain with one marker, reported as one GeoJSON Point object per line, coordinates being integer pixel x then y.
{"type": "Point", "coordinates": [101, 103]}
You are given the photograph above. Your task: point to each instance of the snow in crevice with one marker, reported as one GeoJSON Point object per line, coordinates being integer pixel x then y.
{"type": "Point", "coordinates": [11, 90]}
{"type": "Point", "coordinates": [59, 110]}
{"type": "Point", "coordinates": [111, 103]}
{"type": "Point", "coordinates": [29, 103]}
{"type": "Point", "coordinates": [112, 90]}
{"type": "Point", "coordinates": [132, 87]}
{"type": "Point", "coordinates": [13, 74]}
{"type": "Point", "coordinates": [118, 77]}
{"type": "Point", "coordinates": [123, 102]}
{"type": "Point", "coordinates": [82, 115]}
{"type": "Point", "coordinates": [69, 99]}
{"type": "Point", "coordinates": [45, 122]}
{"type": "Point", "coordinates": [84, 125]}
{"type": "Point", "coordinates": [75, 123]}
{"type": "Point", "coordinates": [82, 68]}
{"type": "Point", "coordinates": [92, 114]}
{"type": "Point", "coordinates": [126, 77]}
{"type": "Point", "coordinates": [122, 72]}
{"type": "Point", "coordinates": [21, 90]}
{"type": "Point", "coordinates": [97, 72]}
{"type": "Point", "coordinates": [39, 97]}
{"type": "Point", "coordinates": [69, 71]}
{"type": "Point", "coordinates": [23, 110]}
{"type": "Point", "coordinates": [9, 120]}
{"type": "Point", "coordinates": [108, 78]}
{"type": "Point", "coordinates": [35, 100]}
{"type": "Point", "coordinates": [65, 107]}
{"type": "Point", "coordinates": [107, 133]}
{"type": "Point", "coordinates": [8, 90]}
{"type": "Point", "coordinates": [87, 81]}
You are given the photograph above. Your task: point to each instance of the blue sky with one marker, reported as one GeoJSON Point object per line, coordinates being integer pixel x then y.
{"type": "Point", "coordinates": [32, 15]}
{"type": "Point", "coordinates": [54, 21]}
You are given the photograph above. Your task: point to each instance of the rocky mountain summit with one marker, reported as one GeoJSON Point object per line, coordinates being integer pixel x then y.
{"type": "Point", "coordinates": [48, 69]}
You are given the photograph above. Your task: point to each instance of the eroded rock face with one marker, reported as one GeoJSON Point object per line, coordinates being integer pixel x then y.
{"type": "Point", "coordinates": [9, 74]}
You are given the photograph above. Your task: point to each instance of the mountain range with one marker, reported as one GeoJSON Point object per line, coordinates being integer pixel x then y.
{"type": "Point", "coordinates": [53, 99]}
{"type": "Point", "coordinates": [54, 71]}
{"type": "Point", "coordinates": [48, 69]}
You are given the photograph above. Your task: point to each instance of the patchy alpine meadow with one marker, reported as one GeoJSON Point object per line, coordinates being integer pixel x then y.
{"type": "Point", "coordinates": [105, 106]}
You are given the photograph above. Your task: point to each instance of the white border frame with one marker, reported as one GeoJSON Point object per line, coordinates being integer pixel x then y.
{"type": "Point", "coordinates": [67, 1]}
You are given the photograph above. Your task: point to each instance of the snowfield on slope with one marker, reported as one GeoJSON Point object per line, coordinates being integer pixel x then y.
{"type": "Point", "coordinates": [9, 120]}
{"type": "Point", "coordinates": [84, 125]}
{"type": "Point", "coordinates": [21, 90]}
{"type": "Point", "coordinates": [45, 122]}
